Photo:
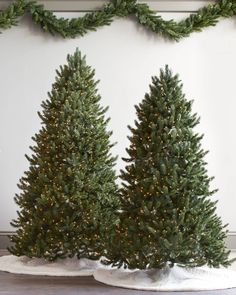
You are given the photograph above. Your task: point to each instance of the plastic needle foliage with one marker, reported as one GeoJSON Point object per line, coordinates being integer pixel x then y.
{"type": "Point", "coordinates": [68, 195]}
{"type": "Point", "coordinates": [141, 12]}
{"type": "Point", "coordinates": [167, 216]}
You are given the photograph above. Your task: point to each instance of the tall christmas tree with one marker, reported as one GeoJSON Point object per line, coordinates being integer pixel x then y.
{"type": "Point", "coordinates": [167, 216]}
{"type": "Point", "coordinates": [69, 194]}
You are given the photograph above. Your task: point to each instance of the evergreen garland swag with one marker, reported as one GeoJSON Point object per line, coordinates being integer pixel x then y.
{"type": "Point", "coordinates": [70, 28]}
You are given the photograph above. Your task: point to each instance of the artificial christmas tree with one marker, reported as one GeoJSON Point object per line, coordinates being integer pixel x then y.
{"type": "Point", "coordinates": [69, 194]}
{"type": "Point", "coordinates": [167, 217]}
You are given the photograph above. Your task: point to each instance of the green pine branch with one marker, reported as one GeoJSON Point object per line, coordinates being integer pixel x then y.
{"type": "Point", "coordinates": [71, 28]}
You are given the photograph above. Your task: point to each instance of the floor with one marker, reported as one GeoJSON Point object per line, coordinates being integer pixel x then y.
{"type": "Point", "coordinates": [12, 284]}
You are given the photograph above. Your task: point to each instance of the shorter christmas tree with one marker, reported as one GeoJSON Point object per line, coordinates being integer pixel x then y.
{"type": "Point", "coordinates": [68, 195]}
{"type": "Point", "coordinates": [167, 216]}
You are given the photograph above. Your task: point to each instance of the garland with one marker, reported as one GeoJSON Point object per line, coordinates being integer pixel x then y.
{"type": "Point", "coordinates": [70, 28]}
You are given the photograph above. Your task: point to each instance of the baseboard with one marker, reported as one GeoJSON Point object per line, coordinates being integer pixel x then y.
{"type": "Point", "coordinates": [5, 242]}
{"type": "Point", "coordinates": [231, 241]}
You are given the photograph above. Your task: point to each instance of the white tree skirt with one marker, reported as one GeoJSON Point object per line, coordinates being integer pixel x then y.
{"type": "Point", "coordinates": [68, 267]}
{"type": "Point", "coordinates": [169, 279]}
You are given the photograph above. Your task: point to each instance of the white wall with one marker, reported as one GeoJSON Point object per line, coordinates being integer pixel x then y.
{"type": "Point", "coordinates": [125, 57]}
